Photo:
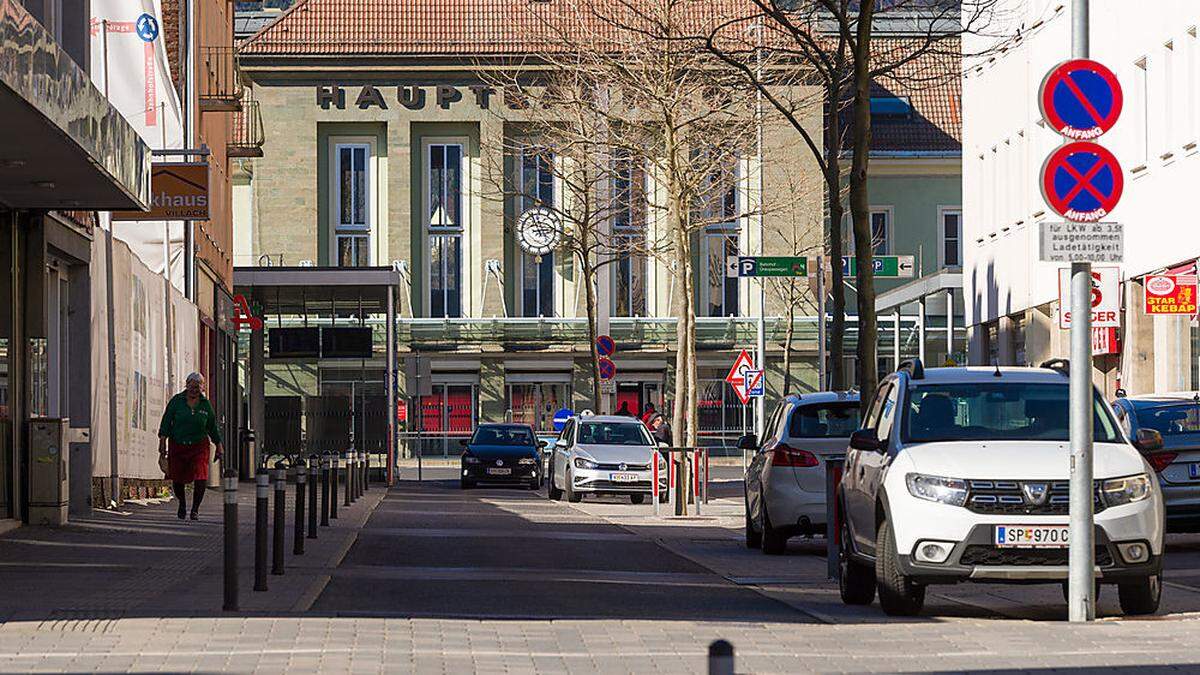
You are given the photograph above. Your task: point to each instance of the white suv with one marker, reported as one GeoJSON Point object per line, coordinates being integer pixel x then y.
{"type": "Point", "coordinates": [961, 474]}
{"type": "Point", "coordinates": [604, 455]}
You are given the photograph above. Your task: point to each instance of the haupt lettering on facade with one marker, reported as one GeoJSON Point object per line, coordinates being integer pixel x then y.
{"type": "Point", "coordinates": [413, 97]}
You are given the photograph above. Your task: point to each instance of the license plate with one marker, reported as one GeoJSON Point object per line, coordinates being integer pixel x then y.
{"type": "Point", "coordinates": [623, 477]}
{"type": "Point", "coordinates": [1193, 471]}
{"type": "Point", "coordinates": [499, 472]}
{"type": "Point", "coordinates": [1032, 536]}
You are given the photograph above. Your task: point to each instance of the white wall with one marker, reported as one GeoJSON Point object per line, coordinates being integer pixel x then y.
{"type": "Point", "coordinates": [1005, 144]}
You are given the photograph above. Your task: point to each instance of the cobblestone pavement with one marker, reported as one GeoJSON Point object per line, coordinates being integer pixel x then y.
{"type": "Point", "coordinates": [433, 579]}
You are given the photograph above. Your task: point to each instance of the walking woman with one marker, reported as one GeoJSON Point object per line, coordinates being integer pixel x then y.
{"type": "Point", "coordinates": [187, 425]}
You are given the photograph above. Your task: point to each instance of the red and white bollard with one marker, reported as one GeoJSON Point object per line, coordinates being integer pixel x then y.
{"type": "Point", "coordinates": [654, 478]}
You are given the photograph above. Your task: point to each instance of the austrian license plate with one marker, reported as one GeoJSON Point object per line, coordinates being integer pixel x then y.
{"type": "Point", "coordinates": [493, 471]}
{"type": "Point", "coordinates": [1032, 536]}
{"type": "Point", "coordinates": [1193, 471]}
{"type": "Point", "coordinates": [623, 477]}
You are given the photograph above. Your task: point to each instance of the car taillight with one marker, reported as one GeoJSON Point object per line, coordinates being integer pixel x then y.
{"type": "Point", "coordinates": [1161, 460]}
{"type": "Point", "coordinates": [785, 455]}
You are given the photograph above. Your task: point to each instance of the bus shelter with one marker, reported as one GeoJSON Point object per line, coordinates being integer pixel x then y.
{"type": "Point", "coordinates": [320, 374]}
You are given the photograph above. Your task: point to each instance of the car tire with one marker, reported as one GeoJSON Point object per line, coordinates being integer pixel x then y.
{"type": "Point", "coordinates": [1141, 596]}
{"type": "Point", "coordinates": [774, 541]}
{"type": "Point", "coordinates": [898, 596]}
{"type": "Point", "coordinates": [572, 496]}
{"type": "Point", "coordinates": [753, 536]}
{"type": "Point", "coordinates": [551, 491]}
{"type": "Point", "coordinates": [466, 484]}
{"type": "Point", "coordinates": [637, 499]}
{"type": "Point", "coordinates": [856, 581]}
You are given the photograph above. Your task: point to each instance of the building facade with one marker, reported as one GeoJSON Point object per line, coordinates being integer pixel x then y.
{"type": "Point", "coordinates": [1013, 301]}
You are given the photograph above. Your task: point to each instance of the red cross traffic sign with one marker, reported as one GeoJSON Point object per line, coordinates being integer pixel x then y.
{"type": "Point", "coordinates": [608, 369]}
{"type": "Point", "coordinates": [1080, 99]}
{"type": "Point", "coordinates": [1082, 182]}
{"type": "Point", "coordinates": [737, 375]}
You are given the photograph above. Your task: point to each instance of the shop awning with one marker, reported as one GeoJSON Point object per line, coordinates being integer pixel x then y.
{"type": "Point", "coordinates": [316, 290]}
{"type": "Point", "coordinates": [62, 145]}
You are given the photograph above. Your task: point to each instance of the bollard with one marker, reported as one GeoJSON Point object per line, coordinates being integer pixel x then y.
{"type": "Point", "coordinates": [313, 475]}
{"type": "Point", "coordinates": [833, 476]}
{"type": "Point", "coordinates": [351, 496]}
{"type": "Point", "coordinates": [277, 534]}
{"type": "Point", "coordinates": [346, 487]}
{"type": "Point", "coordinates": [366, 471]}
{"type": "Point", "coordinates": [654, 458]}
{"type": "Point", "coordinates": [358, 475]}
{"type": "Point", "coordinates": [333, 485]}
{"type": "Point", "coordinates": [301, 490]}
{"type": "Point", "coordinates": [325, 490]}
{"type": "Point", "coordinates": [362, 484]}
{"type": "Point", "coordinates": [720, 658]}
{"type": "Point", "coordinates": [231, 541]}
{"type": "Point", "coordinates": [262, 503]}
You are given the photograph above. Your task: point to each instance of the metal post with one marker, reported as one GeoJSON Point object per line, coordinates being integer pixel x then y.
{"type": "Point", "coordinates": [301, 491]}
{"type": "Point", "coordinates": [334, 471]}
{"type": "Point", "coordinates": [351, 460]}
{"type": "Point", "coordinates": [822, 354]}
{"type": "Point", "coordinates": [346, 487]}
{"type": "Point", "coordinates": [921, 329]}
{"type": "Point", "coordinates": [1081, 599]}
{"type": "Point", "coordinates": [654, 459]}
{"type": "Point", "coordinates": [720, 658]}
{"type": "Point", "coordinates": [760, 402]}
{"type": "Point", "coordinates": [950, 324]}
{"type": "Point", "coordinates": [325, 490]}
{"type": "Point", "coordinates": [362, 484]}
{"type": "Point", "coordinates": [313, 476]}
{"type": "Point", "coordinates": [366, 471]}
{"type": "Point", "coordinates": [231, 541]}
{"type": "Point", "coordinates": [705, 475]}
{"type": "Point", "coordinates": [262, 504]}
{"type": "Point", "coordinates": [280, 475]}
{"type": "Point", "coordinates": [896, 337]}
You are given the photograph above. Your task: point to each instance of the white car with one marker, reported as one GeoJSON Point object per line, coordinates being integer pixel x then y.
{"type": "Point", "coordinates": [604, 455]}
{"type": "Point", "coordinates": [785, 481]}
{"type": "Point", "coordinates": [961, 474]}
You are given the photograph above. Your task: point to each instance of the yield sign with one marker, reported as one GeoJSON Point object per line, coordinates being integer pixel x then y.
{"type": "Point", "coordinates": [1080, 99]}
{"type": "Point", "coordinates": [1082, 182]}
{"type": "Point", "coordinates": [737, 377]}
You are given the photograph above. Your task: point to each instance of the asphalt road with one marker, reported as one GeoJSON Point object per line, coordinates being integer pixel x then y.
{"type": "Point", "coordinates": [434, 550]}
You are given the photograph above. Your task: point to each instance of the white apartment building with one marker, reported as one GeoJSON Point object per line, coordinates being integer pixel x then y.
{"type": "Point", "coordinates": [1011, 297]}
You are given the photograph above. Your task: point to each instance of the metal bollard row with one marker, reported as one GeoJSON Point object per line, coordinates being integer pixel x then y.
{"type": "Point", "coordinates": [279, 473]}
{"type": "Point", "coordinates": [262, 504]}
{"type": "Point", "coordinates": [325, 490]}
{"type": "Point", "coordinates": [301, 492]}
{"type": "Point", "coordinates": [334, 468]}
{"type": "Point", "coordinates": [231, 541]}
{"type": "Point", "coordinates": [347, 487]}
{"type": "Point", "coordinates": [313, 476]}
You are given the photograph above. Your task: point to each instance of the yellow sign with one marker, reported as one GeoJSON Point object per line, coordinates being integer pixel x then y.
{"type": "Point", "coordinates": [178, 191]}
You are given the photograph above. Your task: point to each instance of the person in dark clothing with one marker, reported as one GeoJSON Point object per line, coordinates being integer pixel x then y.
{"type": "Point", "coordinates": [624, 409]}
{"type": "Point", "coordinates": [660, 429]}
{"type": "Point", "coordinates": [188, 423]}
{"type": "Point", "coordinates": [648, 413]}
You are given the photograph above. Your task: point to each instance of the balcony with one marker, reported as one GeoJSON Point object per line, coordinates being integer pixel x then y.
{"type": "Point", "coordinates": [220, 80]}
{"type": "Point", "coordinates": [246, 134]}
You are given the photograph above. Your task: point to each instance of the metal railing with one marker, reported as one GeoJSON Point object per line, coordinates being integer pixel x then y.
{"type": "Point", "coordinates": [220, 79]}
{"type": "Point", "coordinates": [246, 135]}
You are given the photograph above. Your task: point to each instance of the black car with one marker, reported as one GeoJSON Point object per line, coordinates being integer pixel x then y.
{"type": "Point", "coordinates": [502, 453]}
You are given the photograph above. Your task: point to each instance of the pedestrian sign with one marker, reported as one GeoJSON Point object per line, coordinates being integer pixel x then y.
{"type": "Point", "coordinates": [1082, 181]}
{"type": "Point", "coordinates": [739, 374]}
{"type": "Point", "coordinates": [885, 266]}
{"type": "Point", "coordinates": [766, 266]}
{"type": "Point", "coordinates": [1080, 99]}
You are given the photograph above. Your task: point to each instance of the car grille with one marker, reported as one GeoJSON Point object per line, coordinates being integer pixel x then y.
{"type": "Point", "coordinates": [1008, 496]}
{"type": "Point", "coordinates": [628, 467]}
{"type": "Point", "coordinates": [982, 554]}
{"type": "Point", "coordinates": [643, 485]}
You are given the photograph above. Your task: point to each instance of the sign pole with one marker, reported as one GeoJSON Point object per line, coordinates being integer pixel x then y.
{"type": "Point", "coordinates": [1081, 599]}
{"type": "Point", "coordinates": [822, 356]}
{"type": "Point", "coordinates": [760, 405]}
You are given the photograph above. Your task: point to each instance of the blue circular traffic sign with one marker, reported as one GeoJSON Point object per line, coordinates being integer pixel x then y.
{"type": "Point", "coordinates": [605, 345]}
{"type": "Point", "coordinates": [608, 369]}
{"type": "Point", "coordinates": [561, 417]}
{"type": "Point", "coordinates": [1082, 181]}
{"type": "Point", "coordinates": [146, 27]}
{"type": "Point", "coordinates": [1080, 99]}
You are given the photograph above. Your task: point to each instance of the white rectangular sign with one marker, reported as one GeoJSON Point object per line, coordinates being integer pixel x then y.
{"type": "Point", "coordinates": [1082, 242]}
{"type": "Point", "coordinates": [1106, 297]}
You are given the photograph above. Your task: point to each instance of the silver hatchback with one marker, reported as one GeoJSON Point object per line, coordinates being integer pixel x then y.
{"type": "Point", "coordinates": [1176, 417]}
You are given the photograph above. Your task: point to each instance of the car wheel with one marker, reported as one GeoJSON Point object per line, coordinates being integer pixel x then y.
{"type": "Point", "coordinates": [1141, 596]}
{"type": "Point", "coordinates": [572, 496]}
{"type": "Point", "coordinates": [637, 499]}
{"type": "Point", "coordinates": [466, 484]}
{"type": "Point", "coordinates": [856, 581]}
{"type": "Point", "coordinates": [535, 483]}
{"type": "Point", "coordinates": [551, 491]}
{"type": "Point", "coordinates": [753, 537]}
{"type": "Point", "coordinates": [774, 541]}
{"type": "Point", "coordinates": [898, 596]}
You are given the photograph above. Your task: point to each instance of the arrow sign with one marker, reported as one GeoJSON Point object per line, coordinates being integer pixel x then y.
{"type": "Point", "coordinates": [1082, 181]}
{"type": "Point", "coordinates": [885, 266]}
{"type": "Point", "coordinates": [766, 266]}
{"type": "Point", "coordinates": [1080, 99]}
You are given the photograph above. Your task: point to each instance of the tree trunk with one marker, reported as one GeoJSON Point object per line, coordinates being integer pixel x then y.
{"type": "Point", "coordinates": [589, 281]}
{"type": "Point", "coordinates": [833, 189]}
{"type": "Point", "coordinates": [868, 334]}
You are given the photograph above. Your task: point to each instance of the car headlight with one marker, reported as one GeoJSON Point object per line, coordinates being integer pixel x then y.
{"type": "Point", "coordinates": [951, 491]}
{"type": "Point", "coordinates": [470, 459]}
{"type": "Point", "coordinates": [526, 460]}
{"type": "Point", "coordinates": [1117, 491]}
{"type": "Point", "coordinates": [581, 463]}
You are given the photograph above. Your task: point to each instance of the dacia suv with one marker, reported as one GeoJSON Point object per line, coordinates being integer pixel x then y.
{"type": "Point", "coordinates": [961, 474]}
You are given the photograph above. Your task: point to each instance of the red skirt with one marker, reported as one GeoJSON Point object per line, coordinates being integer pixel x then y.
{"type": "Point", "coordinates": [186, 463]}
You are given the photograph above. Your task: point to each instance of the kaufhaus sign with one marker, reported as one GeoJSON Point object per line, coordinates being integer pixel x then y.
{"type": "Point", "coordinates": [412, 97]}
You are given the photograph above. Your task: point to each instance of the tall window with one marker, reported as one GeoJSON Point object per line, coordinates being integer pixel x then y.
{"type": "Point", "coordinates": [629, 233]}
{"type": "Point", "coordinates": [951, 232]}
{"type": "Point", "coordinates": [352, 229]}
{"type": "Point", "coordinates": [445, 214]}
{"type": "Point", "coordinates": [717, 207]}
{"type": "Point", "coordinates": [881, 229]}
{"type": "Point", "coordinates": [1141, 112]}
{"type": "Point", "coordinates": [537, 272]}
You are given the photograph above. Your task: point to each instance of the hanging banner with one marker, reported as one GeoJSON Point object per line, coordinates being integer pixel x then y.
{"type": "Point", "coordinates": [1105, 342]}
{"type": "Point", "coordinates": [1106, 297]}
{"type": "Point", "coordinates": [1171, 294]}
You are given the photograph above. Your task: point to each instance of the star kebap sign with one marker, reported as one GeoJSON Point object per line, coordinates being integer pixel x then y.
{"type": "Point", "coordinates": [1168, 294]}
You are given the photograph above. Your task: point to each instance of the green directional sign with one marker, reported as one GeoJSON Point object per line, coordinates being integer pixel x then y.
{"type": "Point", "coordinates": [886, 266]}
{"type": "Point", "coordinates": [766, 266]}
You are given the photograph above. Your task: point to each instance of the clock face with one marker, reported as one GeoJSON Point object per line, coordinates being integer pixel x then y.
{"type": "Point", "coordinates": [538, 231]}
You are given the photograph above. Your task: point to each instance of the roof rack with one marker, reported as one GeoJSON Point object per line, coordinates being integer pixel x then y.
{"type": "Point", "coordinates": [914, 368]}
{"type": "Point", "coordinates": [1063, 366]}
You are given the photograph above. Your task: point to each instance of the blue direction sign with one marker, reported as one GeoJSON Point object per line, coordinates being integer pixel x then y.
{"type": "Point", "coordinates": [605, 345]}
{"type": "Point", "coordinates": [561, 417]}
{"type": "Point", "coordinates": [146, 27]}
{"type": "Point", "coordinates": [1080, 99]}
{"type": "Point", "coordinates": [608, 369]}
{"type": "Point", "coordinates": [1082, 182]}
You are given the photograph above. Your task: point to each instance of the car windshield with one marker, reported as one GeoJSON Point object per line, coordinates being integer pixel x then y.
{"type": "Point", "coordinates": [1175, 419]}
{"type": "Point", "coordinates": [997, 411]}
{"type": "Point", "coordinates": [613, 433]}
{"type": "Point", "coordinates": [515, 436]}
{"type": "Point", "coordinates": [825, 420]}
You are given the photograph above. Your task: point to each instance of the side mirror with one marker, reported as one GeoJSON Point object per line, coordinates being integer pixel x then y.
{"type": "Point", "coordinates": [747, 442]}
{"type": "Point", "coordinates": [866, 439]}
{"type": "Point", "coordinates": [1148, 440]}
{"type": "Point", "coordinates": [542, 444]}
{"type": "Point", "coordinates": [464, 442]}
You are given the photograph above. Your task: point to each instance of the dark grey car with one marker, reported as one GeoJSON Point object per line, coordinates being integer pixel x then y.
{"type": "Point", "coordinates": [1176, 417]}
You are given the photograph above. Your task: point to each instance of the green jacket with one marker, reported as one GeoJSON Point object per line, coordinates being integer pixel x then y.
{"type": "Point", "coordinates": [184, 424]}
